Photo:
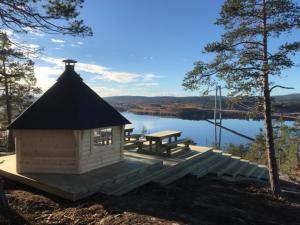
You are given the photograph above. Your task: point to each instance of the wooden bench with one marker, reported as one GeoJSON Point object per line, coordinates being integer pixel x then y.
{"type": "Point", "coordinates": [136, 136]}
{"type": "Point", "coordinates": [174, 145]}
{"type": "Point", "coordinates": [139, 144]}
{"type": "Point", "coordinates": [132, 138]}
{"type": "Point", "coordinates": [127, 133]}
{"type": "Point", "coordinates": [185, 141]}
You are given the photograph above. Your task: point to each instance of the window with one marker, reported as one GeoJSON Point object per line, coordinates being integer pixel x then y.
{"type": "Point", "coordinates": [103, 136]}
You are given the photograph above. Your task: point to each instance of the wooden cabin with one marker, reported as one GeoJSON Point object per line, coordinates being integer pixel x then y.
{"type": "Point", "coordinates": [68, 130]}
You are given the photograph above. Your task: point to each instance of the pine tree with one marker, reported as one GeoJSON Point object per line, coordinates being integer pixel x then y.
{"type": "Point", "coordinates": [17, 82]}
{"type": "Point", "coordinates": [295, 136]}
{"type": "Point", "coordinates": [282, 142]}
{"type": "Point", "coordinates": [257, 151]}
{"type": "Point", "coordinates": [51, 16]}
{"type": "Point", "coordinates": [16, 71]}
{"type": "Point", "coordinates": [244, 59]}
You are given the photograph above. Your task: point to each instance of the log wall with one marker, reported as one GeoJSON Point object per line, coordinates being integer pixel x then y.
{"type": "Point", "coordinates": [65, 151]}
{"type": "Point", "coordinates": [46, 151]}
{"type": "Point", "coordinates": [95, 156]}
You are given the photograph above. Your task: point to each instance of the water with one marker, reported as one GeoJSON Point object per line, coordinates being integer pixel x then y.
{"type": "Point", "coordinates": [202, 132]}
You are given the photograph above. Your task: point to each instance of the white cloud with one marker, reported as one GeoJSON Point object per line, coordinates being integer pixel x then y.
{"type": "Point", "coordinates": [148, 57]}
{"type": "Point", "coordinates": [108, 91]}
{"type": "Point", "coordinates": [40, 34]}
{"type": "Point", "coordinates": [103, 73]}
{"type": "Point", "coordinates": [141, 83]}
{"type": "Point", "coordinates": [57, 61]}
{"type": "Point", "coordinates": [8, 32]}
{"type": "Point", "coordinates": [46, 76]}
{"type": "Point", "coordinates": [78, 43]}
{"type": "Point", "coordinates": [57, 40]}
{"type": "Point", "coordinates": [31, 46]}
{"type": "Point", "coordinates": [147, 84]}
{"type": "Point", "coordinates": [34, 32]}
{"type": "Point", "coordinates": [91, 68]}
{"type": "Point", "coordinates": [30, 50]}
{"type": "Point", "coordinates": [105, 91]}
{"type": "Point", "coordinates": [150, 77]}
{"type": "Point", "coordinates": [120, 77]}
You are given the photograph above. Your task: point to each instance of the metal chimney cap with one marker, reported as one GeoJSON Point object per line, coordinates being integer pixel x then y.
{"type": "Point", "coordinates": [69, 64]}
{"type": "Point", "coordinates": [69, 61]}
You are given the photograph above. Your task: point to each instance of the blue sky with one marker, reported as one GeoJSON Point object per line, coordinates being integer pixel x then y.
{"type": "Point", "coordinates": [139, 47]}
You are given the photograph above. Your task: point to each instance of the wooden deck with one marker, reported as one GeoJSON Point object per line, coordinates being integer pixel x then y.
{"type": "Point", "coordinates": [75, 187]}
{"type": "Point", "coordinates": [136, 170]}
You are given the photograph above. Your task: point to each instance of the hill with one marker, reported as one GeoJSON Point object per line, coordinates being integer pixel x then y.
{"type": "Point", "coordinates": [208, 100]}
{"type": "Point", "coordinates": [287, 98]}
{"type": "Point", "coordinates": [201, 107]}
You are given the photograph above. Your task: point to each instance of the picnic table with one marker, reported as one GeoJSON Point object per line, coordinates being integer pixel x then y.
{"type": "Point", "coordinates": [127, 132]}
{"type": "Point", "coordinates": [158, 137]}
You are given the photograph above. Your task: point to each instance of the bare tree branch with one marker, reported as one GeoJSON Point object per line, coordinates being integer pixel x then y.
{"type": "Point", "coordinates": [279, 86]}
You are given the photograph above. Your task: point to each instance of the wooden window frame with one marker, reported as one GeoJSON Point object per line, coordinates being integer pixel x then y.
{"type": "Point", "coordinates": [107, 140]}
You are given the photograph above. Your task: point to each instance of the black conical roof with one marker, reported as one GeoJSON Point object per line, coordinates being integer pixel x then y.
{"type": "Point", "coordinates": [69, 104]}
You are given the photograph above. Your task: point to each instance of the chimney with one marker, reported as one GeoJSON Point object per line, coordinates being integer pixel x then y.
{"type": "Point", "coordinates": [69, 64]}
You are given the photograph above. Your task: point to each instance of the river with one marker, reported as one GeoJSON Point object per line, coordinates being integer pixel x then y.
{"type": "Point", "coordinates": [202, 132]}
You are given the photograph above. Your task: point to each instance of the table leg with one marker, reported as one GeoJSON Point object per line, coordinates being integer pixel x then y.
{"type": "Point", "coordinates": [170, 139]}
{"type": "Point", "coordinates": [140, 146]}
{"type": "Point", "coordinates": [157, 144]}
{"type": "Point", "coordinates": [175, 138]}
{"type": "Point", "coordinates": [150, 147]}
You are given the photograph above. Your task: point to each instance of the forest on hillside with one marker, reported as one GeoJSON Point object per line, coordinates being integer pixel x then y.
{"type": "Point", "coordinates": [202, 107]}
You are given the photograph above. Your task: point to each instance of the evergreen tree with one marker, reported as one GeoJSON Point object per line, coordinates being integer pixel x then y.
{"type": "Point", "coordinates": [237, 150]}
{"type": "Point", "coordinates": [295, 136]}
{"type": "Point", "coordinates": [17, 82]}
{"type": "Point", "coordinates": [282, 141]}
{"type": "Point", "coordinates": [257, 151]}
{"type": "Point", "coordinates": [244, 61]}
{"type": "Point", "coordinates": [16, 72]}
{"type": "Point", "coordinates": [51, 16]}
{"type": "Point", "coordinates": [286, 142]}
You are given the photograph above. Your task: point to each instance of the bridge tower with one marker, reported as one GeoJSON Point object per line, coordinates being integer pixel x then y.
{"type": "Point", "coordinates": [218, 116]}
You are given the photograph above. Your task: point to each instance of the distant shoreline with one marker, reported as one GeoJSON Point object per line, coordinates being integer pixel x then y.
{"type": "Point", "coordinates": [202, 116]}
{"type": "Point", "coordinates": [202, 108]}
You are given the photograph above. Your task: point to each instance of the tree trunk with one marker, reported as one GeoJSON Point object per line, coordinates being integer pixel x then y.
{"type": "Point", "coordinates": [270, 148]}
{"type": "Point", "coordinates": [3, 201]}
{"type": "Point", "coordinates": [10, 139]}
{"type": "Point", "coordinates": [298, 154]}
{"type": "Point", "coordinates": [272, 163]}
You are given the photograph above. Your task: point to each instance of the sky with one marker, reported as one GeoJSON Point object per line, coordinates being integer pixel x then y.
{"type": "Point", "coordinates": [139, 47]}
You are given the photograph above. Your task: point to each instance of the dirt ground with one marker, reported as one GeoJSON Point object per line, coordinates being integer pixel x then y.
{"type": "Point", "coordinates": [207, 201]}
